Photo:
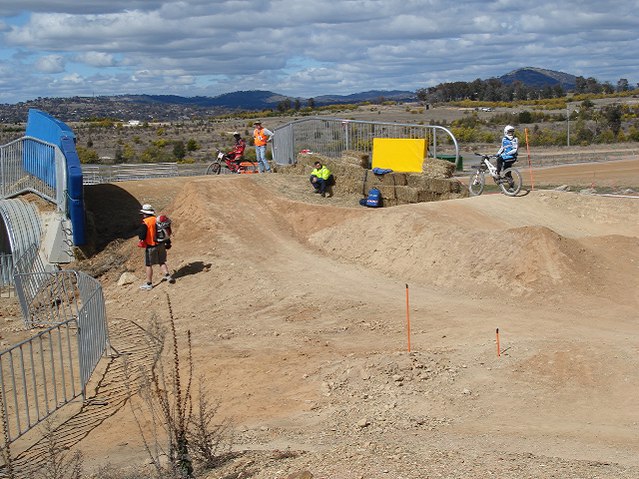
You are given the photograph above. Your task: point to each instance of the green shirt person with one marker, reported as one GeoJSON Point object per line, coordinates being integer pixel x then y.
{"type": "Point", "coordinates": [321, 178]}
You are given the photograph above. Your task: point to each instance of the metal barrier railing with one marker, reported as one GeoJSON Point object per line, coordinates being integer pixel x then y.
{"type": "Point", "coordinates": [98, 174]}
{"type": "Point", "coordinates": [332, 136]}
{"type": "Point", "coordinates": [43, 373]}
{"type": "Point", "coordinates": [48, 297]}
{"type": "Point", "coordinates": [38, 376]}
{"type": "Point", "coordinates": [32, 165]}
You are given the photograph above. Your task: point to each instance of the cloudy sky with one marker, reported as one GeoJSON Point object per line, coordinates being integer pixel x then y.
{"type": "Point", "coordinates": [305, 48]}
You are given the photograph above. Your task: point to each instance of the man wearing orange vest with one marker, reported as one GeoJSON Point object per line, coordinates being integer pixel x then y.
{"type": "Point", "coordinates": [261, 136]}
{"type": "Point", "coordinates": [154, 251]}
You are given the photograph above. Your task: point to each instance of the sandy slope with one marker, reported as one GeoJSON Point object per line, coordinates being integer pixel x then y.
{"type": "Point", "coordinates": [298, 316]}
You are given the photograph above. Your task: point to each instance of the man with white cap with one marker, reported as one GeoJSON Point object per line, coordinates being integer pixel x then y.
{"type": "Point", "coordinates": [154, 251]}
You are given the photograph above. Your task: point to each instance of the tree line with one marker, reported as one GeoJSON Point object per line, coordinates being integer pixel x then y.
{"type": "Point", "coordinates": [494, 90]}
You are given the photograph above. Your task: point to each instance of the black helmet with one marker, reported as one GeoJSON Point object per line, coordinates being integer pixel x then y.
{"type": "Point", "coordinates": [236, 135]}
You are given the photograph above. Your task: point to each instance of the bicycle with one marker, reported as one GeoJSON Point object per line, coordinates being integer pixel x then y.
{"type": "Point", "coordinates": [231, 165]}
{"type": "Point", "coordinates": [509, 181]}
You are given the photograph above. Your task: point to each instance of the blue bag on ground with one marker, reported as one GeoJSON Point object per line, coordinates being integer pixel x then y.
{"type": "Point", "coordinates": [373, 200]}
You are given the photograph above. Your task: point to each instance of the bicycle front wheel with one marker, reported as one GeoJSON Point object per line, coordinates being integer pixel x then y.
{"type": "Point", "coordinates": [213, 169]}
{"type": "Point", "coordinates": [476, 183]}
{"type": "Point", "coordinates": [510, 184]}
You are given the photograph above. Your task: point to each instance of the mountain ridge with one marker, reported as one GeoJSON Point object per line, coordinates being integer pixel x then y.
{"type": "Point", "coordinates": [172, 107]}
{"type": "Point", "coordinates": [264, 99]}
{"type": "Point", "coordinates": [539, 77]}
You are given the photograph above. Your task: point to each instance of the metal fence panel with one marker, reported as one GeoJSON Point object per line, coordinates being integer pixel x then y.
{"type": "Point", "coordinates": [332, 136]}
{"type": "Point", "coordinates": [37, 377]}
{"type": "Point", "coordinates": [48, 297]}
{"type": "Point", "coordinates": [43, 373]}
{"type": "Point", "coordinates": [93, 338]}
{"type": "Point", "coordinates": [32, 165]}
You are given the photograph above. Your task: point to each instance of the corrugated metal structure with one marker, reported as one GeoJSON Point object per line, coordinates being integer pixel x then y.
{"type": "Point", "coordinates": [20, 229]}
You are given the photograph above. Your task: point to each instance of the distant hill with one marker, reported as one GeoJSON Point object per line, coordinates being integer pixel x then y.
{"type": "Point", "coordinates": [538, 77]}
{"type": "Point", "coordinates": [372, 95]}
{"type": "Point", "coordinates": [263, 100]}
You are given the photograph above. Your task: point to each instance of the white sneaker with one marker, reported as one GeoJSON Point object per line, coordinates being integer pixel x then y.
{"type": "Point", "coordinates": [169, 278]}
{"type": "Point", "coordinates": [146, 287]}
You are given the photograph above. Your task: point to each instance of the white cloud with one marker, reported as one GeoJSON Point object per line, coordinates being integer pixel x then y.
{"type": "Point", "coordinates": [96, 59]}
{"type": "Point", "coordinates": [50, 64]}
{"type": "Point", "coordinates": [199, 47]}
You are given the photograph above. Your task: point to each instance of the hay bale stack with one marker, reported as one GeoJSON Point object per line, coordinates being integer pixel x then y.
{"type": "Point", "coordinates": [436, 183]}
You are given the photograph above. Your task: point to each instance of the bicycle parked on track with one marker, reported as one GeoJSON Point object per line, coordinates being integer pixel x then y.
{"type": "Point", "coordinates": [222, 161]}
{"type": "Point", "coordinates": [509, 181]}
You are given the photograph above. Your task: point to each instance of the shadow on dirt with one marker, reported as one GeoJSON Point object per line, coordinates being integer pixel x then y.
{"type": "Point", "coordinates": [191, 268]}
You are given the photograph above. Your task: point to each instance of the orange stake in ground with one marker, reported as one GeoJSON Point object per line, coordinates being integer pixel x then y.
{"type": "Point", "coordinates": [497, 333]}
{"type": "Point", "coordinates": [532, 180]}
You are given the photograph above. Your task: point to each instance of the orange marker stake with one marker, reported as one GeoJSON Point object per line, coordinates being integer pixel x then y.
{"type": "Point", "coordinates": [532, 180]}
{"type": "Point", "coordinates": [497, 333]}
{"type": "Point", "coordinates": [407, 318]}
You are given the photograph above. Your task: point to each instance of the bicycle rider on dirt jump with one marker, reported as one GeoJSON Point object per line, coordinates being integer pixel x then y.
{"type": "Point", "coordinates": [507, 154]}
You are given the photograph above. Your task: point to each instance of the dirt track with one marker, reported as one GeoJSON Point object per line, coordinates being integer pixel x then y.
{"type": "Point", "coordinates": [298, 315]}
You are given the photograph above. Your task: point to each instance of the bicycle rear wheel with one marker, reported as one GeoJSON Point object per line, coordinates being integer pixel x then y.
{"type": "Point", "coordinates": [476, 183]}
{"type": "Point", "coordinates": [213, 169]}
{"type": "Point", "coordinates": [510, 184]}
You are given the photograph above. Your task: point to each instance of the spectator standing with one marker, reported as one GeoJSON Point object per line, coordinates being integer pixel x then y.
{"type": "Point", "coordinates": [321, 178]}
{"type": "Point", "coordinates": [154, 252]}
{"type": "Point", "coordinates": [261, 137]}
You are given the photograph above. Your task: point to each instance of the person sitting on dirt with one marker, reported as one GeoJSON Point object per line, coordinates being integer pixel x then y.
{"type": "Point", "coordinates": [237, 153]}
{"type": "Point", "coordinates": [507, 154]}
{"type": "Point", "coordinates": [321, 178]}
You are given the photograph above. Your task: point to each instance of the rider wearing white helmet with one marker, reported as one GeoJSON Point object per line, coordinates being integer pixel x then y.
{"type": "Point", "coordinates": [507, 154]}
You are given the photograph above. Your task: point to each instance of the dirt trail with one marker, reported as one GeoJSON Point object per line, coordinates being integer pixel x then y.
{"type": "Point", "coordinates": [298, 315]}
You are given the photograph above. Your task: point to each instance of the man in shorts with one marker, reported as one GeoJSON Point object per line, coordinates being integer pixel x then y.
{"type": "Point", "coordinates": [154, 251]}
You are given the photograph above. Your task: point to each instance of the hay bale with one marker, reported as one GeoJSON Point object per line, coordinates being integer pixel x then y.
{"type": "Point", "coordinates": [424, 196]}
{"type": "Point", "coordinates": [418, 181]}
{"type": "Point", "coordinates": [436, 168]}
{"type": "Point", "coordinates": [356, 158]}
{"type": "Point", "coordinates": [405, 194]}
{"type": "Point", "coordinates": [400, 179]}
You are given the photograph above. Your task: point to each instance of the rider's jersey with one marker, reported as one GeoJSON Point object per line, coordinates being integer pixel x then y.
{"type": "Point", "coordinates": [238, 150]}
{"type": "Point", "coordinates": [508, 150]}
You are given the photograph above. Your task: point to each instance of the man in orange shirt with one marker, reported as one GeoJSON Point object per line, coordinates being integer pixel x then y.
{"type": "Point", "coordinates": [154, 251]}
{"type": "Point", "coordinates": [261, 136]}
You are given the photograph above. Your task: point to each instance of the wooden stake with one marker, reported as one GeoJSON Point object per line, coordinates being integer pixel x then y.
{"type": "Point", "coordinates": [498, 349]}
